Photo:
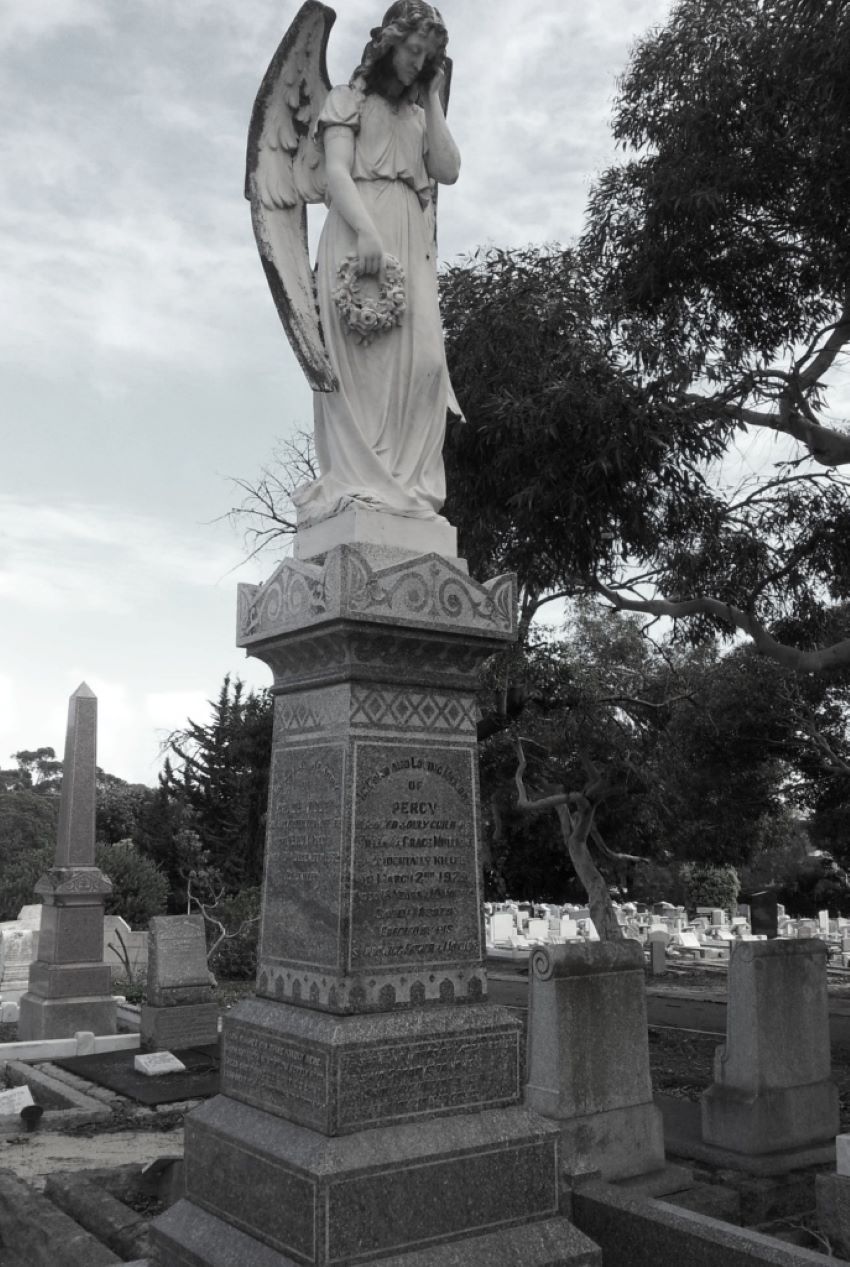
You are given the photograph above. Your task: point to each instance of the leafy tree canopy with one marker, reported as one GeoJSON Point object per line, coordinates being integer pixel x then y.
{"type": "Point", "coordinates": [720, 256]}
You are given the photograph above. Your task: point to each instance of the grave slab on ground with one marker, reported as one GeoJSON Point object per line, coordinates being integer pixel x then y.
{"type": "Point", "coordinates": [371, 1100]}
{"type": "Point", "coordinates": [70, 987]}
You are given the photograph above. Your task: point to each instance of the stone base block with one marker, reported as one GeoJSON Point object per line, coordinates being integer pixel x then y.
{"type": "Point", "coordinates": [339, 1075]}
{"type": "Point", "coordinates": [173, 1028]}
{"type": "Point", "coordinates": [70, 980]}
{"type": "Point", "coordinates": [189, 1237]}
{"type": "Point", "coordinates": [355, 1198]}
{"type": "Point", "coordinates": [772, 1120]}
{"type": "Point", "coordinates": [179, 995]}
{"type": "Point", "coordinates": [782, 1162]}
{"type": "Point", "coordinates": [360, 526]}
{"type": "Point", "coordinates": [618, 1144]}
{"type": "Point", "coordinates": [63, 1018]}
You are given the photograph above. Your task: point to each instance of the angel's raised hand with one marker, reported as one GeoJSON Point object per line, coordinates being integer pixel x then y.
{"type": "Point", "coordinates": [436, 83]}
{"type": "Point", "coordinates": [370, 253]}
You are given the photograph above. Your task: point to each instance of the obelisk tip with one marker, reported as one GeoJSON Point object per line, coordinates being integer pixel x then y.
{"type": "Point", "coordinates": [83, 691]}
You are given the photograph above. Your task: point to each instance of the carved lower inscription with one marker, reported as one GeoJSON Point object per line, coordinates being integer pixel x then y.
{"type": "Point", "coordinates": [401, 1081]}
{"type": "Point", "coordinates": [414, 897]}
{"type": "Point", "coordinates": [281, 1076]}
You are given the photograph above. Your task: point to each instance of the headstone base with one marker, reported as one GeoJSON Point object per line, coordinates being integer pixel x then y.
{"type": "Point", "coordinates": [189, 1237]}
{"type": "Point", "coordinates": [339, 1075]}
{"type": "Point", "coordinates": [397, 1190]}
{"type": "Point", "coordinates": [772, 1120]}
{"type": "Point", "coordinates": [173, 1028]}
{"type": "Point", "coordinates": [59, 1018]}
{"type": "Point", "coordinates": [360, 526]}
{"type": "Point", "coordinates": [619, 1143]}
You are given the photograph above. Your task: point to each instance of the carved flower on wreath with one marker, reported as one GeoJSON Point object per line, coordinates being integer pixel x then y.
{"type": "Point", "coordinates": [366, 315]}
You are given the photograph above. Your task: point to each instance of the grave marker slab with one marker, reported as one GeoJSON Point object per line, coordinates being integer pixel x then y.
{"type": "Point", "coordinates": [180, 1010]}
{"type": "Point", "coordinates": [156, 1063]}
{"type": "Point", "coordinates": [12, 1101]}
{"type": "Point", "coordinates": [772, 1090]}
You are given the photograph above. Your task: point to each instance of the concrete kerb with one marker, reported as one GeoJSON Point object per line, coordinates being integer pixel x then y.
{"type": "Point", "coordinates": [82, 1044]}
{"type": "Point", "coordinates": [76, 1107]}
{"type": "Point", "coordinates": [662, 1235]}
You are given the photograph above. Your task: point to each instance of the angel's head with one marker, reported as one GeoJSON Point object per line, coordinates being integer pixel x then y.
{"type": "Point", "coordinates": [409, 46]}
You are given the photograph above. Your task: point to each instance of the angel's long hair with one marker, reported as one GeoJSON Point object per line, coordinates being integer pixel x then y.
{"type": "Point", "coordinates": [403, 18]}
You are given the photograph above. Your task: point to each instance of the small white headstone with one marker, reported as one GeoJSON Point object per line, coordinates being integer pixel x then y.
{"type": "Point", "coordinates": [11, 1102]}
{"type": "Point", "coordinates": [502, 925]}
{"type": "Point", "coordinates": [153, 1063]}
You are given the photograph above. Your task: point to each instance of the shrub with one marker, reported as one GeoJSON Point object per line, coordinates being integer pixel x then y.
{"type": "Point", "coordinates": [706, 885]}
{"type": "Point", "coordinates": [236, 957]}
{"type": "Point", "coordinates": [18, 878]}
{"type": "Point", "coordinates": [139, 888]}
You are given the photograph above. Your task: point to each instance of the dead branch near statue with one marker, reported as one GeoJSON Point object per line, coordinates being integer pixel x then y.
{"type": "Point", "coordinates": [576, 811]}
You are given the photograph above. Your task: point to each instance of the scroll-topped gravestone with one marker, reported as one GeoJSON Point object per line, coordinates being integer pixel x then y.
{"type": "Point", "coordinates": [180, 1011]}
{"type": "Point", "coordinates": [70, 987]}
{"type": "Point", "coordinates": [371, 1100]}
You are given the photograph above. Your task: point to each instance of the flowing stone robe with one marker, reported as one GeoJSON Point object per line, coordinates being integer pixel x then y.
{"type": "Point", "coordinates": [379, 437]}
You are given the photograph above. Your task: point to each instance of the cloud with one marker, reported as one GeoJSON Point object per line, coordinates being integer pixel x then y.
{"type": "Point", "coordinates": [102, 557]}
{"type": "Point", "coordinates": [27, 23]}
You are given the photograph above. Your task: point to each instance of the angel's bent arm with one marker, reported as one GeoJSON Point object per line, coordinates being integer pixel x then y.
{"type": "Point", "coordinates": [443, 159]}
{"type": "Point", "coordinates": [339, 157]}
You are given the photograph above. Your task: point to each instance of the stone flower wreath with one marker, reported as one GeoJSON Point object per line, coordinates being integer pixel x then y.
{"type": "Point", "coordinates": [367, 315]}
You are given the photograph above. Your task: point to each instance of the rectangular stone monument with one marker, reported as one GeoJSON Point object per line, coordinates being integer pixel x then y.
{"type": "Point", "coordinates": [371, 1105]}
{"type": "Point", "coordinates": [772, 1092]}
{"type": "Point", "coordinates": [764, 914]}
{"type": "Point", "coordinates": [70, 987]}
{"type": "Point", "coordinates": [588, 1057]}
{"type": "Point", "coordinates": [179, 1010]}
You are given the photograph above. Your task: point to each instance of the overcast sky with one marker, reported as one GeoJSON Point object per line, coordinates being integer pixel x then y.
{"type": "Point", "coordinates": [142, 361]}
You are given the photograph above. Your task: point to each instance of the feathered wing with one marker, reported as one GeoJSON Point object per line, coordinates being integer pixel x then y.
{"type": "Point", "coordinates": [445, 93]}
{"type": "Point", "coordinates": [285, 170]}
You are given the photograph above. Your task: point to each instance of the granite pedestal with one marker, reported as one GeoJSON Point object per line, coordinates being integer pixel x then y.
{"type": "Point", "coordinates": [371, 1108]}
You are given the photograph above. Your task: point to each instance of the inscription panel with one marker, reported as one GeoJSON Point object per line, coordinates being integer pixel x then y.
{"type": "Point", "coordinates": [301, 903]}
{"type": "Point", "coordinates": [177, 953]}
{"type": "Point", "coordinates": [414, 898]}
{"type": "Point", "coordinates": [424, 1203]}
{"type": "Point", "coordinates": [194, 1026]}
{"type": "Point", "coordinates": [401, 1081]}
{"type": "Point", "coordinates": [286, 1078]}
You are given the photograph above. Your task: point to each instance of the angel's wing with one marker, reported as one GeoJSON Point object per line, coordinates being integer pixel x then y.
{"type": "Point", "coordinates": [285, 171]}
{"type": "Point", "coordinates": [445, 93]}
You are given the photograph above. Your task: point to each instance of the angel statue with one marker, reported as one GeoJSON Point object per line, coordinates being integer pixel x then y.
{"type": "Point", "coordinates": [368, 336]}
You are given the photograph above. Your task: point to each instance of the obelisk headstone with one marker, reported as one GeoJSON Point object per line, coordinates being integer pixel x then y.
{"type": "Point", "coordinates": [70, 987]}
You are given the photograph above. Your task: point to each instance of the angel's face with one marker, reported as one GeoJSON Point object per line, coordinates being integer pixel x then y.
{"type": "Point", "coordinates": [409, 57]}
